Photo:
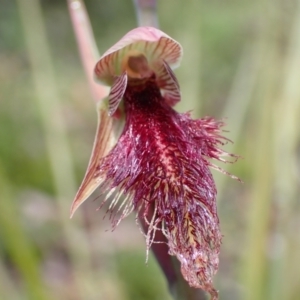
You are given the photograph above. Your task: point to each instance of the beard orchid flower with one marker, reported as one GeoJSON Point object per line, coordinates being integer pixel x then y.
{"type": "Point", "coordinates": [160, 157]}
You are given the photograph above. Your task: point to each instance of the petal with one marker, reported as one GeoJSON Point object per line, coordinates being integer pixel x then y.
{"type": "Point", "coordinates": [107, 133]}
{"type": "Point", "coordinates": [116, 93]}
{"type": "Point", "coordinates": [167, 81]}
{"type": "Point", "coordinates": [153, 43]}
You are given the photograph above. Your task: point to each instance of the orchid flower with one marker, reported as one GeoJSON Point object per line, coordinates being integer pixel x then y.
{"type": "Point", "coordinates": [161, 157]}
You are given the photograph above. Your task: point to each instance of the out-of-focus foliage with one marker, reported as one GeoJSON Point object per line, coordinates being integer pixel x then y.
{"type": "Point", "coordinates": [241, 61]}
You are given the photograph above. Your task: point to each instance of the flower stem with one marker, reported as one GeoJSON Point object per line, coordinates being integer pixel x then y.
{"type": "Point", "coordinates": [87, 45]}
{"type": "Point", "coordinates": [146, 12]}
{"type": "Point", "coordinates": [26, 260]}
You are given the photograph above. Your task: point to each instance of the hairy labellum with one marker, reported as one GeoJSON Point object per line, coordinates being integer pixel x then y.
{"type": "Point", "coordinates": [159, 166]}
{"type": "Point", "coordinates": [161, 158]}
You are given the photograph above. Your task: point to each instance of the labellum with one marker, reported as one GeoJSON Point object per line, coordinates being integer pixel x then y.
{"type": "Point", "coordinates": [161, 158]}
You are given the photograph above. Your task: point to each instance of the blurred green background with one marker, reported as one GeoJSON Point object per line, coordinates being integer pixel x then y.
{"type": "Point", "coordinates": [241, 62]}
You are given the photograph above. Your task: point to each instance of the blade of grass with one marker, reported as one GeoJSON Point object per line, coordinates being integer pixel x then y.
{"type": "Point", "coordinates": [238, 102]}
{"type": "Point", "coordinates": [191, 71]}
{"type": "Point", "coordinates": [19, 248]}
{"type": "Point", "coordinates": [287, 124]}
{"type": "Point", "coordinates": [49, 104]}
{"type": "Point", "coordinates": [259, 208]}
{"type": "Point", "coordinates": [8, 289]}
{"type": "Point", "coordinates": [146, 12]}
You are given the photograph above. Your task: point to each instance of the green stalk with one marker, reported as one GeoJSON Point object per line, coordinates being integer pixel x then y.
{"type": "Point", "coordinates": [19, 248]}
{"type": "Point", "coordinates": [259, 206]}
{"type": "Point", "coordinates": [239, 100]}
{"type": "Point", "coordinates": [7, 288]}
{"type": "Point", "coordinates": [255, 265]}
{"type": "Point", "coordinates": [146, 12]}
{"type": "Point", "coordinates": [287, 126]}
{"type": "Point", "coordinates": [49, 103]}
